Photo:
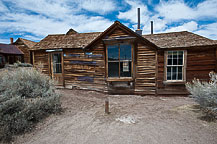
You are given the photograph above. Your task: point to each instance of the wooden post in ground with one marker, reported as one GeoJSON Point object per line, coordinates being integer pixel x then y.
{"type": "Point", "coordinates": [107, 105]}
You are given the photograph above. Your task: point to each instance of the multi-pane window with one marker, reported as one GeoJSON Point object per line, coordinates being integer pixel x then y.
{"type": "Point", "coordinates": [57, 65]}
{"type": "Point", "coordinates": [175, 65]}
{"type": "Point", "coordinates": [119, 60]}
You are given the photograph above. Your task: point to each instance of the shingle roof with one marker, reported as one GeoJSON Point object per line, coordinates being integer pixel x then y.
{"type": "Point", "coordinates": [78, 40]}
{"type": "Point", "coordinates": [28, 43]}
{"type": "Point", "coordinates": [163, 40]}
{"type": "Point", "coordinates": [178, 39]}
{"type": "Point", "coordinates": [9, 49]}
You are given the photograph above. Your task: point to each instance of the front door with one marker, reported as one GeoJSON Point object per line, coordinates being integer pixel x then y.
{"type": "Point", "coordinates": [57, 67]}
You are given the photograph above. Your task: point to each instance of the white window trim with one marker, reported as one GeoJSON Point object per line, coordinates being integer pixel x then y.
{"type": "Point", "coordinates": [184, 67]}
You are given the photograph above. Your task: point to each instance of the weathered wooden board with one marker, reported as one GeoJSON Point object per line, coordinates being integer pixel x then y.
{"type": "Point", "coordinates": [199, 62]}
{"type": "Point", "coordinates": [85, 70]}
{"type": "Point", "coordinates": [145, 70]}
{"type": "Point", "coordinates": [40, 61]}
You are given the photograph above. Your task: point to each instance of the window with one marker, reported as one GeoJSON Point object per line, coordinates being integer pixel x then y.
{"type": "Point", "coordinates": [57, 65]}
{"type": "Point", "coordinates": [119, 60]}
{"type": "Point", "coordinates": [18, 58]}
{"type": "Point", "coordinates": [1, 60]}
{"type": "Point", "coordinates": [175, 65]}
{"type": "Point", "coordinates": [11, 59]}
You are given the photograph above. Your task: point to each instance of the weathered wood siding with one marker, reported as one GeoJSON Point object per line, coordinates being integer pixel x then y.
{"type": "Point", "coordinates": [117, 33]}
{"type": "Point", "coordinates": [199, 62]}
{"type": "Point", "coordinates": [86, 71]}
{"type": "Point", "coordinates": [145, 70]}
{"type": "Point", "coordinates": [26, 52]}
{"type": "Point", "coordinates": [40, 61]}
{"type": "Point", "coordinates": [89, 71]}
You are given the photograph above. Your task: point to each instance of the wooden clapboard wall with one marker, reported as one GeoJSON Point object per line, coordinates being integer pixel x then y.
{"type": "Point", "coordinates": [144, 65]}
{"type": "Point", "coordinates": [145, 70]}
{"type": "Point", "coordinates": [200, 61]}
{"type": "Point", "coordinates": [40, 61]}
{"type": "Point", "coordinates": [115, 85]}
{"type": "Point", "coordinates": [117, 33]}
{"type": "Point", "coordinates": [88, 70]}
{"type": "Point", "coordinates": [85, 70]}
{"type": "Point", "coordinates": [25, 50]}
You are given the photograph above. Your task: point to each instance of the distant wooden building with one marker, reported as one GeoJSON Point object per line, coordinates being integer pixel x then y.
{"type": "Point", "coordinates": [10, 54]}
{"type": "Point", "coordinates": [25, 45]}
{"type": "Point", "coordinates": [122, 61]}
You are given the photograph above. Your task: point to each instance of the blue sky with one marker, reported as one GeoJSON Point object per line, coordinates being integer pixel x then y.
{"type": "Point", "coordinates": [35, 19]}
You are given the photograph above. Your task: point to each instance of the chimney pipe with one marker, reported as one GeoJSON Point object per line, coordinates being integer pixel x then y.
{"type": "Point", "coordinates": [152, 27]}
{"type": "Point", "coordinates": [138, 27]}
{"type": "Point", "coordinates": [138, 31]}
{"type": "Point", "coordinates": [12, 40]}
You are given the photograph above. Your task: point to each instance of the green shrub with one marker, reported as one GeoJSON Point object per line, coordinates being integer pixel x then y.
{"type": "Point", "coordinates": [23, 64]}
{"type": "Point", "coordinates": [26, 97]}
{"type": "Point", "coordinates": [18, 64]}
{"type": "Point", "coordinates": [205, 93]}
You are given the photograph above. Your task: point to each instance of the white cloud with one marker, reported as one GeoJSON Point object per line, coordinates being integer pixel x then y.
{"type": "Point", "coordinates": [149, 2]}
{"type": "Point", "coordinates": [132, 13]}
{"type": "Point", "coordinates": [5, 41]}
{"type": "Point", "coordinates": [60, 8]}
{"type": "Point", "coordinates": [168, 14]}
{"type": "Point", "coordinates": [41, 26]}
{"type": "Point", "coordinates": [208, 30]}
{"type": "Point", "coordinates": [33, 38]}
{"type": "Point", "coordinates": [189, 26]}
{"type": "Point", "coordinates": [158, 25]}
{"type": "Point", "coordinates": [207, 8]}
{"type": "Point", "coordinates": [49, 8]}
{"type": "Point", "coordinates": [93, 24]}
{"type": "Point", "coordinates": [3, 8]}
{"type": "Point", "coordinates": [99, 6]}
{"type": "Point", "coordinates": [42, 17]}
{"type": "Point", "coordinates": [38, 25]}
{"type": "Point", "coordinates": [176, 10]}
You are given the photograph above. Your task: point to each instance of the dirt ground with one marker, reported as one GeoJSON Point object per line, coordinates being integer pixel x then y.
{"type": "Point", "coordinates": [133, 120]}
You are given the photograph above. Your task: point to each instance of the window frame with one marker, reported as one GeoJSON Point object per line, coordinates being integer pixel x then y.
{"type": "Point", "coordinates": [183, 66]}
{"type": "Point", "coordinates": [53, 63]}
{"type": "Point", "coordinates": [119, 78]}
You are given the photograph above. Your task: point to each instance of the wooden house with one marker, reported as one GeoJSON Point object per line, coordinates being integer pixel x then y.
{"type": "Point", "coordinates": [10, 54]}
{"type": "Point", "coordinates": [122, 61]}
{"type": "Point", "coordinates": [25, 45]}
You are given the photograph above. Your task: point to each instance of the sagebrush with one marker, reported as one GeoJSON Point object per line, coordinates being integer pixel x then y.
{"type": "Point", "coordinates": [26, 97]}
{"type": "Point", "coordinates": [18, 64]}
{"type": "Point", "coordinates": [205, 93]}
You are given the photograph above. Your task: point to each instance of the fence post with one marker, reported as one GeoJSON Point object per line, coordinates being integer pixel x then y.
{"type": "Point", "coordinates": [107, 105]}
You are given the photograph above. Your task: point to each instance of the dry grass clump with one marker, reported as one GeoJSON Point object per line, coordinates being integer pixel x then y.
{"type": "Point", "coordinates": [205, 93]}
{"type": "Point", "coordinates": [26, 97]}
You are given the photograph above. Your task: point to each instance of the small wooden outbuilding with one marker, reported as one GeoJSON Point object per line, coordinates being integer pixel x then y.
{"type": "Point", "coordinates": [25, 45]}
{"type": "Point", "coordinates": [10, 54]}
{"type": "Point", "coordinates": [122, 61]}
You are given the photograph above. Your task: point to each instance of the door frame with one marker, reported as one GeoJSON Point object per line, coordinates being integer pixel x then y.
{"type": "Point", "coordinates": [50, 66]}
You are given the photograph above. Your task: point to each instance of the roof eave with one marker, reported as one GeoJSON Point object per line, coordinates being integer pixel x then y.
{"type": "Point", "coordinates": [54, 48]}
{"type": "Point", "coordinates": [188, 47]}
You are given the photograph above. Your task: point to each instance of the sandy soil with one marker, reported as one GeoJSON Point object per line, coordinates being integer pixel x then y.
{"type": "Point", "coordinates": [154, 120]}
